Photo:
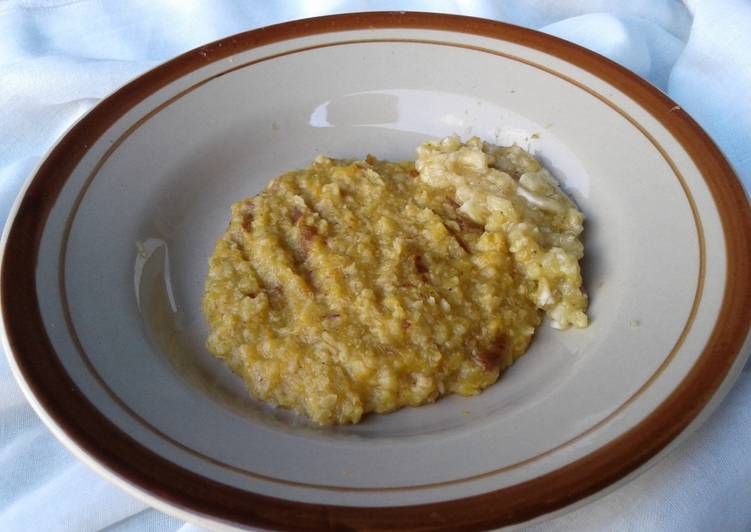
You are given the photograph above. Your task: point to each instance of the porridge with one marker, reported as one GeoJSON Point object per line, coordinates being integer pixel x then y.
{"type": "Point", "coordinates": [364, 286]}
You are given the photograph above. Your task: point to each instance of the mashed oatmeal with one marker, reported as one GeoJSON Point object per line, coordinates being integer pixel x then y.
{"type": "Point", "coordinates": [364, 286]}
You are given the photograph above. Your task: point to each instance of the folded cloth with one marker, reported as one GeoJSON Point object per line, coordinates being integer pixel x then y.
{"type": "Point", "coordinates": [59, 57]}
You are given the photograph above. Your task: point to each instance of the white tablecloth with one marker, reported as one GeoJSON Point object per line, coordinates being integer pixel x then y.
{"type": "Point", "coordinates": [59, 57]}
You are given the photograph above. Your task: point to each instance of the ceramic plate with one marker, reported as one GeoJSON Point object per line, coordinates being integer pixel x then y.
{"type": "Point", "coordinates": [106, 255]}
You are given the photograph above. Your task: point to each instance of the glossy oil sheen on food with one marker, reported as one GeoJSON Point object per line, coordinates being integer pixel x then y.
{"type": "Point", "coordinates": [365, 286]}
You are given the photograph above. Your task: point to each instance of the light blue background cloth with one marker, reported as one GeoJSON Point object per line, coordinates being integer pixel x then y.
{"type": "Point", "coordinates": [58, 58]}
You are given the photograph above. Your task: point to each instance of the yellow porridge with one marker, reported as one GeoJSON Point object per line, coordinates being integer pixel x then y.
{"type": "Point", "coordinates": [364, 286]}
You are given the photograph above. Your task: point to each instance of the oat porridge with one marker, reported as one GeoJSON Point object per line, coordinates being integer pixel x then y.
{"type": "Point", "coordinates": [364, 286]}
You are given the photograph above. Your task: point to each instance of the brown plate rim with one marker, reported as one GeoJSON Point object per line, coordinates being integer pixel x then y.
{"type": "Point", "coordinates": [108, 445]}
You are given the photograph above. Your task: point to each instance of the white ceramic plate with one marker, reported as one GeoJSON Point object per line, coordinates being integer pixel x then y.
{"type": "Point", "coordinates": [106, 256]}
